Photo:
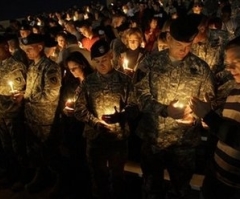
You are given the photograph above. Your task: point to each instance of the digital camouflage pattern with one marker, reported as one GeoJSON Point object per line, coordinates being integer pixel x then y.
{"type": "Point", "coordinates": [100, 94]}
{"type": "Point", "coordinates": [164, 83]}
{"type": "Point", "coordinates": [212, 51]}
{"type": "Point", "coordinates": [42, 93]}
{"type": "Point", "coordinates": [14, 71]}
{"type": "Point", "coordinates": [11, 122]}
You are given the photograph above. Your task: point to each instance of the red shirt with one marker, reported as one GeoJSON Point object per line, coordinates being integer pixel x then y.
{"type": "Point", "coordinates": [87, 43]}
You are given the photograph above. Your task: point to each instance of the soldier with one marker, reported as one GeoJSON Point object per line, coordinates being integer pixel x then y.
{"type": "Point", "coordinates": [25, 30]}
{"type": "Point", "coordinates": [104, 106]}
{"type": "Point", "coordinates": [12, 81]}
{"type": "Point", "coordinates": [15, 50]}
{"type": "Point", "coordinates": [172, 132]}
{"type": "Point", "coordinates": [209, 43]}
{"type": "Point", "coordinates": [41, 101]}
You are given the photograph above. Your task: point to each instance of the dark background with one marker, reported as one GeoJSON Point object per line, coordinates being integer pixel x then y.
{"type": "Point", "coordinates": [11, 9]}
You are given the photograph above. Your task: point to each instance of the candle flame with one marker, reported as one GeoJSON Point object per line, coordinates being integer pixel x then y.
{"type": "Point", "coordinates": [125, 64]}
{"type": "Point", "coordinates": [11, 85]}
{"type": "Point", "coordinates": [178, 105]}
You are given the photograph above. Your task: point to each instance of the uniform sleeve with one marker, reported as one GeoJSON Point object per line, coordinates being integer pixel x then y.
{"type": "Point", "coordinates": [146, 100]}
{"type": "Point", "coordinates": [19, 79]}
{"type": "Point", "coordinates": [81, 109]}
{"type": "Point", "coordinates": [225, 129]}
{"type": "Point", "coordinates": [208, 86]}
{"type": "Point", "coordinates": [51, 85]}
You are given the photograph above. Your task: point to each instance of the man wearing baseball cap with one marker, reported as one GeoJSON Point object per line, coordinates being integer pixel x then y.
{"type": "Point", "coordinates": [172, 132]}
{"type": "Point", "coordinates": [41, 101]}
{"type": "Point", "coordinates": [102, 56]}
{"type": "Point", "coordinates": [104, 105]}
{"type": "Point", "coordinates": [25, 30]}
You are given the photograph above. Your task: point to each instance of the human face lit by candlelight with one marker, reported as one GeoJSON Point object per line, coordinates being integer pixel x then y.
{"type": "Point", "coordinates": [61, 42]}
{"type": "Point", "coordinates": [33, 51]}
{"type": "Point", "coordinates": [197, 9]}
{"type": "Point", "coordinates": [133, 42]}
{"type": "Point", "coordinates": [86, 32]}
{"type": "Point", "coordinates": [103, 63]}
{"type": "Point", "coordinates": [177, 49]}
{"type": "Point", "coordinates": [75, 68]}
{"type": "Point", "coordinates": [232, 62]}
{"type": "Point", "coordinates": [162, 45]}
{"type": "Point", "coordinates": [24, 33]}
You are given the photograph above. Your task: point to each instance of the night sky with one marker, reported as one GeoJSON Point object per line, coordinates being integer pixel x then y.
{"type": "Point", "coordinates": [10, 9]}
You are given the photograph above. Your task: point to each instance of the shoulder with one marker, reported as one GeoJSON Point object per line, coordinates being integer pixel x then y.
{"type": "Point", "coordinates": [158, 58]}
{"type": "Point", "coordinates": [49, 64]}
{"type": "Point", "coordinates": [152, 60]}
{"type": "Point", "coordinates": [90, 78]}
{"type": "Point", "coordinates": [13, 64]}
{"type": "Point", "coordinates": [197, 63]}
{"type": "Point", "coordinates": [122, 76]}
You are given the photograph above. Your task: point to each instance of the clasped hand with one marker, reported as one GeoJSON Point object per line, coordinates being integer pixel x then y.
{"type": "Point", "coordinates": [17, 96]}
{"type": "Point", "coordinates": [183, 115]}
{"type": "Point", "coordinates": [102, 126]}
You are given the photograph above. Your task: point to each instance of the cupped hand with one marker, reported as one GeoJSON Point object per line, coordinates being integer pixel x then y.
{"type": "Point", "coordinates": [177, 110]}
{"type": "Point", "coordinates": [199, 107]}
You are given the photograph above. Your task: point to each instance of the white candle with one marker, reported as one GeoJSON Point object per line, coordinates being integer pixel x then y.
{"type": "Point", "coordinates": [69, 105]}
{"type": "Point", "coordinates": [125, 64]}
{"type": "Point", "coordinates": [11, 85]}
{"type": "Point", "coordinates": [69, 100]}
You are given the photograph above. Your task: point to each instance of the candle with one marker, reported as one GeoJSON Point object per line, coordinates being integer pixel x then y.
{"type": "Point", "coordinates": [125, 64]}
{"type": "Point", "coordinates": [11, 86]}
{"type": "Point", "coordinates": [178, 105]}
{"type": "Point", "coordinates": [69, 104]}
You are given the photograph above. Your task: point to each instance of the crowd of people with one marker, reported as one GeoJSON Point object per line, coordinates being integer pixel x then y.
{"type": "Point", "coordinates": [85, 90]}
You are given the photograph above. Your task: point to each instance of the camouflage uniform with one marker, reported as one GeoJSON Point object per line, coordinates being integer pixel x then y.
{"type": "Point", "coordinates": [11, 120]}
{"type": "Point", "coordinates": [21, 56]}
{"type": "Point", "coordinates": [165, 142]}
{"type": "Point", "coordinates": [101, 93]}
{"type": "Point", "coordinates": [41, 101]}
{"type": "Point", "coordinates": [212, 50]}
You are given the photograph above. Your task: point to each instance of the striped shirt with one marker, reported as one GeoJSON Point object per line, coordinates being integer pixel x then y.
{"type": "Point", "coordinates": [227, 154]}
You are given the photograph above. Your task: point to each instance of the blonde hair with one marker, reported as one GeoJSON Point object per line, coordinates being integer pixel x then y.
{"type": "Point", "coordinates": [133, 31]}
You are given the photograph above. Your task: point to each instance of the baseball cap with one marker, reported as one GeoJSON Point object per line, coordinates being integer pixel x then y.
{"type": "Point", "coordinates": [49, 41]}
{"type": "Point", "coordinates": [32, 39]}
{"type": "Point", "coordinates": [25, 27]}
{"type": "Point", "coordinates": [99, 48]}
{"type": "Point", "coordinates": [183, 29]}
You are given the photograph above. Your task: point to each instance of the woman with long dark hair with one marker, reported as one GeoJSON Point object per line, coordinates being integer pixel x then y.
{"type": "Point", "coordinates": [74, 169]}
